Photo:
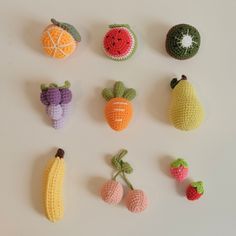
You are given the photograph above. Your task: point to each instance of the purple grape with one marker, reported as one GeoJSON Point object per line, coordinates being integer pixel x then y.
{"type": "Point", "coordinates": [53, 96]}
{"type": "Point", "coordinates": [58, 124]}
{"type": "Point", "coordinates": [54, 112]}
{"type": "Point", "coordinates": [66, 108]}
{"type": "Point", "coordinates": [43, 98]}
{"type": "Point", "coordinates": [66, 95]}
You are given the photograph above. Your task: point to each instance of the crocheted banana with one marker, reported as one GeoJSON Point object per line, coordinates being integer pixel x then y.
{"type": "Point", "coordinates": [186, 111]}
{"type": "Point", "coordinates": [53, 187]}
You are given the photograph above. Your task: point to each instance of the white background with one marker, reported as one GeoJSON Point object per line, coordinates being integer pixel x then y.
{"type": "Point", "coordinates": [28, 140]}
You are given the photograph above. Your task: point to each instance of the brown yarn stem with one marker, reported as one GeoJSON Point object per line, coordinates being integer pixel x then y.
{"type": "Point", "coordinates": [60, 153]}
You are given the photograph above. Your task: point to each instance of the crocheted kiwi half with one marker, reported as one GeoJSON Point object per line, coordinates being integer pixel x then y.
{"type": "Point", "coordinates": [183, 41]}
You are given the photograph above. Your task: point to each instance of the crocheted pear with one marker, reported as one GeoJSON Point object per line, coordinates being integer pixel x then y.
{"type": "Point", "coordinates": [186, 111]}
{"type": "Point", "coordinates": [59, 40]}
{"type": "Point", "coordinates": [53, 187]}
{"type": "Point", "coordinates": [120, 42]}
{"type": "Point", "coordinates": [118, 110]}
{"type": "Point", "coordinates": [112, 191]}
{"type": "Point", "coordinates": [182, 41]}
{"type": "Point", "coordinates": [57, 100]}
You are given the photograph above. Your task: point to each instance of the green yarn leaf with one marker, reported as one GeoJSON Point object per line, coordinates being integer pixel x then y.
{"type": "Point", "coordinates": [119, 89]}
{"type": "Point", "coordinates": [121, 154]}
{"type": "Point", "coordinates": [179, 162]}
{"type": "Point", "coordinates": [115, 163]}
{"type": "Point", "coordinates": [43, 87]}
{"type": "Point", "coordinates": [199, 186]}
{"type": "Point", "coordinates": [53, 85]}
{"type": "Point", "coordinates": [119, 25]}
{"type": "Point", "coordinates": [126, 167]}
{"type": "Point", "coordinates": [129, 94]}
{"type": "Point", "coordinates": [66, 84]}
{"type": "Point", "coordinates": [107, 94]}
{"type": "Point", "coordinates": [69, 28]}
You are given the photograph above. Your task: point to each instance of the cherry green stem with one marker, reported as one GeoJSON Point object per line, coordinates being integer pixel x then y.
{"type": "Point", "coordinates": [114, 177]}
{"type": "Point", "coordinates": [127, 181]}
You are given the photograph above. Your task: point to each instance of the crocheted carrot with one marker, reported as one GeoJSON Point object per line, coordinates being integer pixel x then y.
{"type": "Point", "coordinates": [112, 191]}
{"type": "Point", "coordinates": [186, 111]}
{"type": "Point", "coordinates": [118, 110]}
{"type": "Point", "coordinates": [53, 187]}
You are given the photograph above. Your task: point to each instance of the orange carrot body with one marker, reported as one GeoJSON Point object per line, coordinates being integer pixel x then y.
{"type": "Point", "coordinates": [118, 113]}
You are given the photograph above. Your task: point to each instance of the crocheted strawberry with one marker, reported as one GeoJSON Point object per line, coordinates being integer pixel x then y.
{"type": "Point", "coordinates": [179, 169]}
{"type": "Point", "coordinates": [119, 42]}
{"type": "Point", "coordinates": [195, 190]}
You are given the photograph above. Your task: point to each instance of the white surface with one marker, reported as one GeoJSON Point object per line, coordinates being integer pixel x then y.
{"type": "Point", "coordinates": [28, 141]}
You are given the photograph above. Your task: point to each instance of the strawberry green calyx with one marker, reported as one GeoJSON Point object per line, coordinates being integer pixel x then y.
{"type": "Point", "coordinates": [179, 162]}
{"type": "Point", "coordinates": [69, 28]}
{"type": "Point", "coordinates": [122, 167]}
{"type": "Point", "coordinates": [45, 87]}
{"type": "Point", "coordinates": [199, 186]}
{"type": "Point", "coordinates": [119, 91]}
{"type": "Point", "coordinates": [119, 25]}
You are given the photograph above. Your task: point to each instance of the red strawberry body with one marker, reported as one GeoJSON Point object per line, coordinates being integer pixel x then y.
{"type": "Point", "coordinates": [194, 191]}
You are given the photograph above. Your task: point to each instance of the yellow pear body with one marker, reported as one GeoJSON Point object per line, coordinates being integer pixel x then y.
{"type": "Point", "coordinates": [186, 111]}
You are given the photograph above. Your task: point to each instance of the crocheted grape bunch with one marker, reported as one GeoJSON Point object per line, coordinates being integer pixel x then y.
{"type": "Point", "coordinates": [57, 100]}
{"type": "Point", "coordinates": [112, 191]}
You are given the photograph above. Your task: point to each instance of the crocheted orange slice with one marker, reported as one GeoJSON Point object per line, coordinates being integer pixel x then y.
{"type": "Point", "coordinates": [59, 40]}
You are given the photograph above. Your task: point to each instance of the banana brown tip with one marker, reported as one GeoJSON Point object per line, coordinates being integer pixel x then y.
{"type": "Point", "coordinates": [183, 77]}
{"type": "Point", "coordinates": [60, 153]}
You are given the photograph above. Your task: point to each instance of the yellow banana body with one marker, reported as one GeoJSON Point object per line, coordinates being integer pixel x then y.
{"type": "Point", "coordinates": [53, 187]}
{"type": "Point", "coordinates": [186, 111]}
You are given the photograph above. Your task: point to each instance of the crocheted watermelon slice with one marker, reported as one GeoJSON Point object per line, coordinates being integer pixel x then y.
{"type": "Point", "coordinates": [119, 42]}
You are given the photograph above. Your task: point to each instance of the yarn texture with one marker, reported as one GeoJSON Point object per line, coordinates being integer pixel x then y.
{"type": "Point", "coordinates": [118, 110]}
{"type": "Point", "coordinates": [57, 100]}
{"type": "Point", "coordinates": [53, 187]}
{"type": "Point", "coordinates": [112, 191]}
{"type": "Point", "coordinates": [186, 112]}
{"type": "Point", "coordinates": [59, 40]}
{"type": "Point", "coordinates": [179, 169]}
{"type": "Point", "coordinates": [183, 41]}
{"type": "Point", "coordinates": [120, 42]}
{"type": "Point", "coordinates": [136, 201]}
{"type": "Point", "coordinates": [195, 190]}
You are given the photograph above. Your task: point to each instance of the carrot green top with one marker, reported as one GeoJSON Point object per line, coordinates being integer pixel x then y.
{"type": "Point", "coordinates": [179, 162]}
{"type": "Point", "coordinates": [199, 186]}
{"type": "Point", "coordinates": [119, 91]}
